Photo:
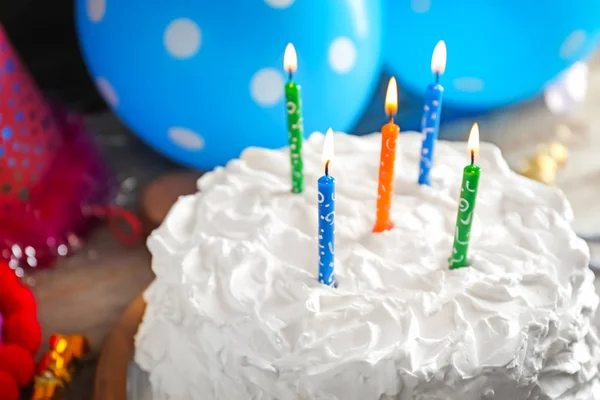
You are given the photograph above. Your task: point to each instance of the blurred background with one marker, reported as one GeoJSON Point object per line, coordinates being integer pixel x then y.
{"type": "Point", "coordinates": [130, 57]}
{"type": "Point", "coordinates": [166, 90]}
{"type": "Point", "coordinates": [45, 36]}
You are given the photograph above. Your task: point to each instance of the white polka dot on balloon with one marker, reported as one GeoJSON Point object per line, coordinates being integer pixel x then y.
{"type": "Point", "coordinates": [342, 55]}
{"type": "Point", "coordinates": [107, 91]}
{"type": "Point", "coordinates": [182, 38]}
{"type": "Point", "coordinates": [96, 10]}
{"type": "Point", "coordinates": [360, 17]}
{"type": "Point", "coordinates": [468, 84]}
{"type": "Point", "coordinates": [572, 44]}
{"type": "Point", "coordinates": [280, 3]}
{"type": "Point", "coordinates": [266, 86]}
{"type": "Point", "coordinates": [420, 6]}
{"type": "Point", "coordinates": [186, 138]}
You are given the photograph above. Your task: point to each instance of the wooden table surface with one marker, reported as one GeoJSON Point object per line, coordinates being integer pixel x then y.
{"type": "Point", "coordinates": [87, 293]}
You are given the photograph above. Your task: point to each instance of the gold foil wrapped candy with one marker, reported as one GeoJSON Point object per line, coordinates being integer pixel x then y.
{"type": "Point", "coordinates": [544, 165]}
{"type": "Point", "coordinates": [56, 368]}
{"type": "Point", "coordinates": [46, 388]}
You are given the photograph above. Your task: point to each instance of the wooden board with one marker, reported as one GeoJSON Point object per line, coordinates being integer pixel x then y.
{"type": "Point", "coordinates": [111, 375]}
{"type": "Point", "coordinates": [87, 293]}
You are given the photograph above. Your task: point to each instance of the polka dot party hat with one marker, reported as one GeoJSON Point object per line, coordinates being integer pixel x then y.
{"type": "Point", "coordinates": [29, 136]}
{"type": "Point", "coordinates": [54, 185]}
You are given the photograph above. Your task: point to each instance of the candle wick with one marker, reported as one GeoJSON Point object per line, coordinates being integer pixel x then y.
{"type": "Point", "coordinates": [472, 157]}
{"type": "Point", "coordinates": [327, 168]}
{"type": "Point", "coordinates": [437, 77]}
{"type": "Point", "coordinates": [290, 74]}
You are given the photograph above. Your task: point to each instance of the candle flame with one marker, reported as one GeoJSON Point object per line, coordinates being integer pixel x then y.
{"type": "Point", "coordinates": [438, 59]}
{"type": "Point", "coordinates": [290, 60]}
{"type": "Point", "coordinates": [391, 97]}
{"type": "Point", "coordinates": [473, 143]}
{"type": "Point", "coordinates": [328, 146]}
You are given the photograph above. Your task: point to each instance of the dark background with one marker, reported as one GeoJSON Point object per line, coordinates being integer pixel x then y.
{"type": "Point", "coordinates": [43, 32]}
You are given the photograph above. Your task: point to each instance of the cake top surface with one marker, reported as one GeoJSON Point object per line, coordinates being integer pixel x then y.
{"type": "Point", "coordinates": [245, 250]}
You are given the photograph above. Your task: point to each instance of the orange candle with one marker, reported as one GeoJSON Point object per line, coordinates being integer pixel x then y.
{"type": "Point", "coordinates": [389, 136]}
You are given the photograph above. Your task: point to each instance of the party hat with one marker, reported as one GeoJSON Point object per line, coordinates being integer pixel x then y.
{"type": "Point", "coordinates": [29, 134]}
{"type": "Point", "coordinates": [54, 185]}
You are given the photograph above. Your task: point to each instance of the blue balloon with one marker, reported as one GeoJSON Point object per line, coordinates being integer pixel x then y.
{"type": "Point", "coordinates": [499, 52]}
{"type": "Point", "coordinates": [202, 80]}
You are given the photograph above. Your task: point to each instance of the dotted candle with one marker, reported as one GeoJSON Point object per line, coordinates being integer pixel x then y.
{"type": "Point", "coordinates": [385, 186]}
{"type": "Point", "coordinates": [466, 206]}
{"type": "Point", "coordinates": [326, 200]}
{"type": "Point", "coordinates": [432, 113]}
{"type": "Point", "coordinates": [430, 127]}
{"type": "Point", "coordinates": [293, 103]}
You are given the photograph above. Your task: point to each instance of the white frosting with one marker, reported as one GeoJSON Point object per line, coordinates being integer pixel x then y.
{"type": "Point", "coordinates": [236, 311]}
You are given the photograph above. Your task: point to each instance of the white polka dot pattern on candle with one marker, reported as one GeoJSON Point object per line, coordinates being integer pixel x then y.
{"type": "Point", "coordinates": [266, 86]}
{"type": "Point", "coordinates": [186, 138]}
{"type": "Point", "coordinates": [572, 44]}
{"type": "Point", "coordinates": [342, 55]}
{"type": "Point", "coordinates": [420, 6]}
{"type": "Point", "coordinates": [96, 9]}
{"type": "Point", "coordinates": [280, 3]}
{"type": "Point", "coordinates": [468, 84]}
{"type": "Point", "coordinates": [182, 38]}
{"type": "Point", "coordinates": [326, 238]}
{"type": "Point", "coordinates": [386, 180]}
{"type": "Point", "coordinates": [107, 91]}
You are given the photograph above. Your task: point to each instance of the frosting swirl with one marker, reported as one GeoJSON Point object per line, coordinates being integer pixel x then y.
{"type": "Point", "coordinates": [236, 311]}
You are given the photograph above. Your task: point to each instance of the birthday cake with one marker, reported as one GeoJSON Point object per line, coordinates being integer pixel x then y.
{"type": "Point", "coordinates": [237, 311]}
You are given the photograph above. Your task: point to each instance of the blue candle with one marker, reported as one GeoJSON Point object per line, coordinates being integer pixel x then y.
{"type": "Point", "coordinates": [432, 113]}
{"type": "Point", "coordinates": [326, 199]}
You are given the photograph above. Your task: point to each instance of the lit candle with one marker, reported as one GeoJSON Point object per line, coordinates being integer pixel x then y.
{"type": "Point", "coordinates": [293, 104]}
{"type": "Point", "coordinates": [432, 112]}
{"type": "Point", "coordinates": [389, 136]}
{"type": "Point", "coordinates": [326, 198]}
{"type": "Point", "coordinates": [466, 206]}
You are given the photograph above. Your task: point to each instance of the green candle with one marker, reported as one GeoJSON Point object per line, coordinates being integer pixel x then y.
{"type": "Point", "coordinates": [294, 117]}
{"type": "Point", "coordinates": [466, 205]}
